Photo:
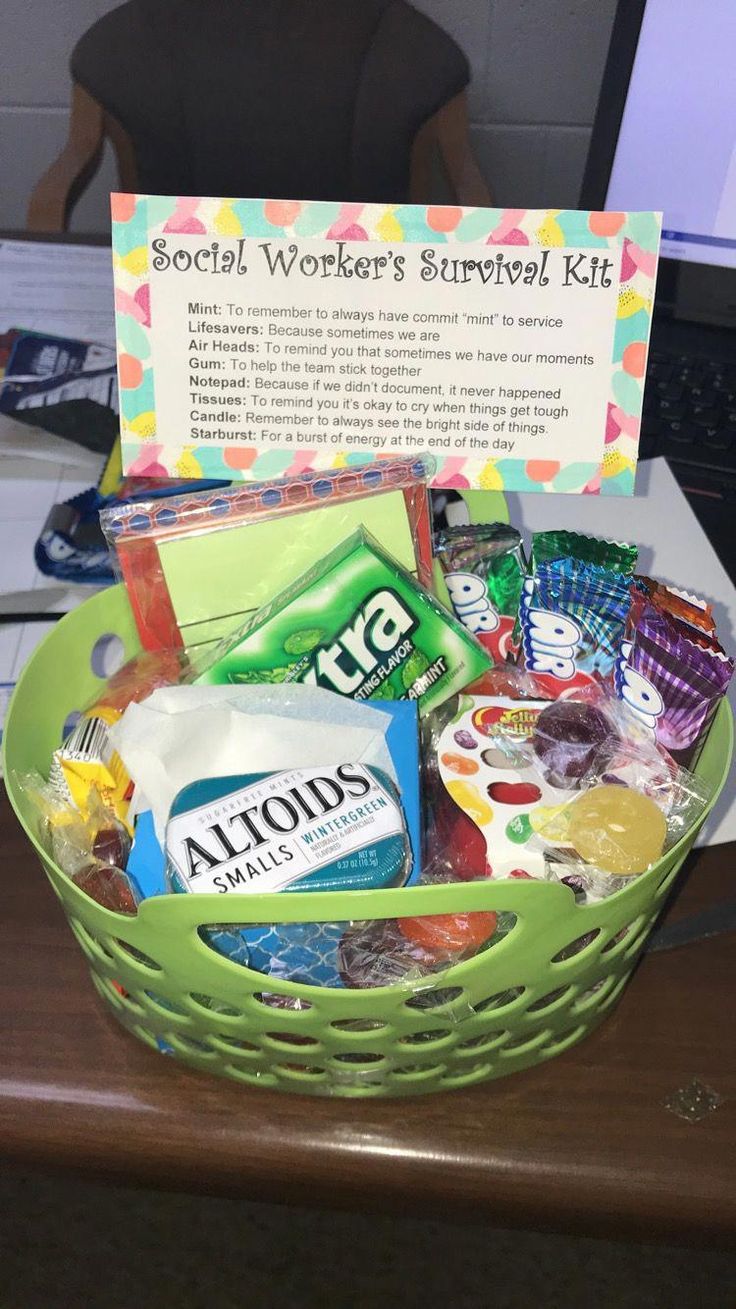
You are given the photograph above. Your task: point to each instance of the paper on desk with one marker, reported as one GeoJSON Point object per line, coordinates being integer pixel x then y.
{"type": "Point", "coordinates": [64, 290]}
{"type": "Point", "coordinates": [183, 734]}
{"type": "Point", "coordinates": [22, 441]}
{"type": "Point", "coordinates": [672, 547]}
{"type": "Point", "coordinates": [28, 489]}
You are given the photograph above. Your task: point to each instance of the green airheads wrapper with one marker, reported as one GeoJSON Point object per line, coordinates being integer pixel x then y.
{"type": "Point", "coordinates": [358, 624]}
{"type": "Point", "coordinates": [484, 566]}
{"type": "Point", "coordinates": [616, 556]}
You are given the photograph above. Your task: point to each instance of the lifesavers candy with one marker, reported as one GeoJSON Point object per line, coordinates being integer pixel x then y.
{"type": "Point", "coordinates": [109, 887]}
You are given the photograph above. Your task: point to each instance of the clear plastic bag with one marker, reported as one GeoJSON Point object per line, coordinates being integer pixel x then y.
{"type": "Point", "coordinates": [92, 850]}
{"type": "Point", "coordinates": [631, 806]}
{"type": "Point", "coordinates": [139, 535]}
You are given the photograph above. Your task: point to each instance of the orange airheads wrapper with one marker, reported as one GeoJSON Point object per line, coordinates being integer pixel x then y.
{"type": "Point", "coordinates": [688, 608]}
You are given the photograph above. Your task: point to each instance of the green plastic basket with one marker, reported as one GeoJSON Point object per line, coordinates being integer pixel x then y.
{"type": "Point", "coordinates": [515, 1005]}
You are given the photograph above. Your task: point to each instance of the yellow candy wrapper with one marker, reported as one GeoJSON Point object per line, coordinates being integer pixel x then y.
{"type": "Point", "coordinates": [87, 767]}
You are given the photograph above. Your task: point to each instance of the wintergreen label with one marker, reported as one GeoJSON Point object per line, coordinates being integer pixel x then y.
{"type": "Point", "coordinates": [264, 836]}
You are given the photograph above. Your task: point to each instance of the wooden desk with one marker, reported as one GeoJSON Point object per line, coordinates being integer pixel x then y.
{"type": "Point", "coordinates": [582, 1144]}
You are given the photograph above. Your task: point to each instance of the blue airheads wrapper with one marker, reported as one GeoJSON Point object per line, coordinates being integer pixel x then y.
{"type": "Point", "coordinates": [573, 616]}
{"type": "Point", "coordinates": [339, 827]}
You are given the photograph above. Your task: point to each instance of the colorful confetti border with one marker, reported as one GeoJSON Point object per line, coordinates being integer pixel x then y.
{"type": "Point", "coordinates": [137, 218]}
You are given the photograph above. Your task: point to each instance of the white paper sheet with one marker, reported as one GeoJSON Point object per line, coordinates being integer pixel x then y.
{"type": "Point", "coordinates": [672, 547]}
{"type": "Point", "coordinates": [28, 489]}
{"type": "Point", "coordinates": [220, 731]}
{"type": "Point", "coordinates": [65, 290]}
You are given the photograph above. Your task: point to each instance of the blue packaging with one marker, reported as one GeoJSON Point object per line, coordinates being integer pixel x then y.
{"type": "Point", "coordinates": [309, 829]}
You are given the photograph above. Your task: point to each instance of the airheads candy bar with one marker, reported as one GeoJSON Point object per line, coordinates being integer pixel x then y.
{"type": "Point", "coordinates": [359, 625]}
{"type": "Point", "coordinates": [338, 827]}
{"type": "Point", "coordinates": [671, 683]}
{"type": "Point", "coordinates": [573, 617]}
{"type": "Point", "coordinates": [483, 567]}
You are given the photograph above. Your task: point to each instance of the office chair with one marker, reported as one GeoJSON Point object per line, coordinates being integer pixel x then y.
{"type": "Point", "coordinates": [315, 99]}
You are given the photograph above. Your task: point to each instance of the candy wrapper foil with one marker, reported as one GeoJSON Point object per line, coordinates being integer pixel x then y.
{"type": "Point", "coordinates": [616, 556]}
{"type": "Point", "coordinates": [573, 618]}
{"type": "Point", "coordinates": [483, 567]}
{"type": "Point", "coordinates": [688, 608]}
{"type": "Point", "coordinates": [671, 683]}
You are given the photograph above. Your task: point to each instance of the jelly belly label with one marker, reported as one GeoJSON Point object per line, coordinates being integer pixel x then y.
{"type": "Point", "coordinates": [487, 765]}
{"type": "Point", "coordinates": [284, 826]}
{"type": "Point", "coordinates": [359, 625]}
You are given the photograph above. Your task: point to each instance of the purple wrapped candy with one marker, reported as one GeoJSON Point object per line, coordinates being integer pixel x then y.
{"type": "Point", "coordinates": [377, 954]}
{"type": "Point", "coordinates": [671, 684]}
{"type": "Point", "coordinates": [465, 740]}
{"type": "Point", "coordinates": [572, 740]}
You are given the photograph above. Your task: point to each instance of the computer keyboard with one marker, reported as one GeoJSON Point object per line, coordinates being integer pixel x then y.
{"type": "Point", "coordinates": [689, 413]}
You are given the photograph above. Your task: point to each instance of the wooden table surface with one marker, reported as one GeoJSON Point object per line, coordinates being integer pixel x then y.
{"type": "Point", "coordinates": [582, 1144]}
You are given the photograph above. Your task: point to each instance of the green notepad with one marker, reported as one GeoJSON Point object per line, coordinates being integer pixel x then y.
{"type": "Point", "coordinates": [216, 578]}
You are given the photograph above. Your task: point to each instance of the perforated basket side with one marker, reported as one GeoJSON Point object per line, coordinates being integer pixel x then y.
{"type": "Point", "coordinates": [527, 998]}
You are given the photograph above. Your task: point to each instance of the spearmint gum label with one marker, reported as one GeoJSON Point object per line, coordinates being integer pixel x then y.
{"type": "Point", "coordinates": [361, 626]}
{"type": "Point", "coordinates": [341, 822]}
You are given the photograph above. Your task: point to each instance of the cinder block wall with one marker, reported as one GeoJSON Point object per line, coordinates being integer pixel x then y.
{"type": "Point", "coordinates": [537, 66]}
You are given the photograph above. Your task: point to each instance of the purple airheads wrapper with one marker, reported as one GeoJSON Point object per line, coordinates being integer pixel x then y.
{"type": "Point", "coordinates": [671, 684]}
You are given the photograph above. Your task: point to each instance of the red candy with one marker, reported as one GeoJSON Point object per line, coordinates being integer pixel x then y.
{"type": "Point", "coordinates": [112, 845]}
{"type": "Point", "coordinates": [459, 836]}
{"type": "Point", "coordinates": [514, 792]}
{"type": "Point", "coordinates": [108, 886]}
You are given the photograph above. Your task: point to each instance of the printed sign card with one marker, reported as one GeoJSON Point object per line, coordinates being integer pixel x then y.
{"type": "Point", "coordinates": [259, 338]}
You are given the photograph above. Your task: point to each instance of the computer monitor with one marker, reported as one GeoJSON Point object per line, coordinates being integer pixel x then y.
{"type": "Point", "coordinates": [665, 131]}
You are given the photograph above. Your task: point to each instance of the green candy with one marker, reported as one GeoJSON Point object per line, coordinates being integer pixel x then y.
{"type": "Point", "coordinates": [302, 642]}
{"type": "Point", "coordinates": [492, 551]}
{"type": "Point", "coordinates": [519, 829]}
